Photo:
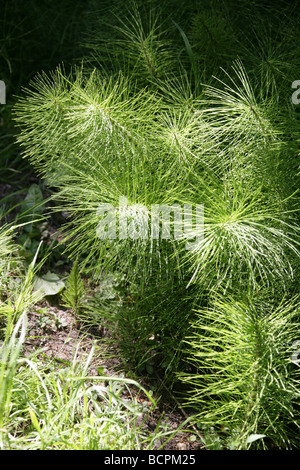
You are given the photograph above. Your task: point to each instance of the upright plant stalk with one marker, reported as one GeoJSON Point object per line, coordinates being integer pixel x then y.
{"type": "Point", "coordinates": [245, 381]}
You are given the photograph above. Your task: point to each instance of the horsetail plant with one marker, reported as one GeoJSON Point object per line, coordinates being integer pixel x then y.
{"type": "Point", "coordinates": [154, 127]}
{"type": "Point", "coordinates": [245, 381]}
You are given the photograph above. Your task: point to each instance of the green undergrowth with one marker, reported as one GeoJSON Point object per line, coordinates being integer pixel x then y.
{"type": "Point", "coordinates": [50, 406]}
{"type": "Point", "coordinates": [46, 407]}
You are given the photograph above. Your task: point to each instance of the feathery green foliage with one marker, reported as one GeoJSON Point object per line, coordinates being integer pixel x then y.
{"type": "Point", "coordinates": [245, 381]}
{"type": "Point", "coordinates": [73, 294]}
{"type": "Point", "coordinates": [172, 111]}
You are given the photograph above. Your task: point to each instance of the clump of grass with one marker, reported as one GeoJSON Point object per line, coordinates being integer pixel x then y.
{"type": "Point", "coordinates": [48, 408]}
{"type": "Point", "coordinates": [9, 260]}
{"type": "Point", "coordinates": [16, 286]}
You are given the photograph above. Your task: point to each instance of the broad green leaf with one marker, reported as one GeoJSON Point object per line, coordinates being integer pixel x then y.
{"type": "Point", "coordinates": [50, 284]}
{"type": "Point", "coordinates": [33, 200]}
